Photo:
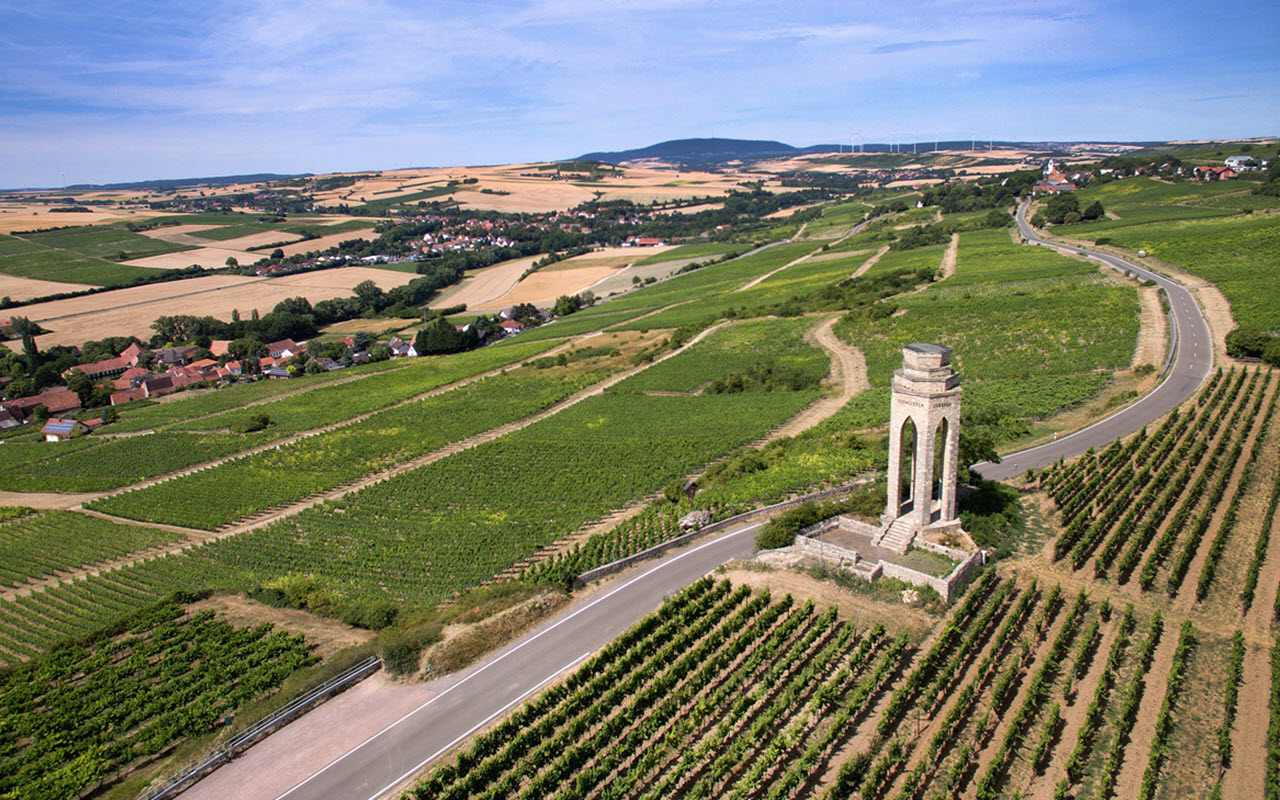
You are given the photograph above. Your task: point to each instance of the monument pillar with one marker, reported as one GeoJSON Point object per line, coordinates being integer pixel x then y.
{"type": "Point", "coordinates": [926, 398]}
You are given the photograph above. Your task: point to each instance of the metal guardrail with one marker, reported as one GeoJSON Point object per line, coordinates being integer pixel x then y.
{"type": "Point", "coordinates": [662, 547]}
{"type": "Point", "coordinates": [243, 740]}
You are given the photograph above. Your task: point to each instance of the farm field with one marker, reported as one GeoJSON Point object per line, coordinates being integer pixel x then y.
{"type": "Point", "coordinates": [1238, 254]}
{"type": "Point", "coordinates": [33, 260]}
{"type": "Point", "coordinates": [97, 709]}
{"type": "Point", "coordinates": [19, 289]}
{"type": "Point", "coordinates": [1032, 330]}
{"type": "Point", "coordinates": [245, 486]}
{"type": "Point", "coordinates": [132, 310]}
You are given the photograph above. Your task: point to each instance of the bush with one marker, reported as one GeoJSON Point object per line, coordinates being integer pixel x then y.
{"type": "Point", "coordinates": [402, 653]}
{"type": "Point", "coordinates": [251, 423]}
{"type": "Point", "coordinates": [373, 615]}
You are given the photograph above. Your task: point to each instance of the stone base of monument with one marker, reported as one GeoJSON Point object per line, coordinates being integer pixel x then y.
{"type": "Point", "coordinates": [851, 545]}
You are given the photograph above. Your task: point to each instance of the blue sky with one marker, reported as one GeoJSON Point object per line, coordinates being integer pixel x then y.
{"type": "Point", "coordinates": [104, 92]}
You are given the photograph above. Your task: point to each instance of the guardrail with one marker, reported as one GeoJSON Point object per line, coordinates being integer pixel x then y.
{"type": "Point", "coordinates": [662, 547]}
{"type": "Point", "coordinates": [251, 735]}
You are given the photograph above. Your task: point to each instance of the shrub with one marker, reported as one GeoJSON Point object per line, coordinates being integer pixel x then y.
{"type": "Point", "coordinates": [250, 423]}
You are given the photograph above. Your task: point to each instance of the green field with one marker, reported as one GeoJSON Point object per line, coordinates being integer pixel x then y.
{"type": "Point", "coordinates": [1240, 254]}
{"type": "Point", "coordinates": [32, 260]}
{"type": "Point", "coordinates": [1019, 319]}
{"type": "Point", "coordinates": [99, 241]}
{"type": "Point", "coordinates": [701, 250]}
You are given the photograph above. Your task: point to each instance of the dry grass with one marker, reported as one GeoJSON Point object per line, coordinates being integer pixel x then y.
{"type": "Point", "coordinates": [131, 311]}
{"type": "Point", "coordinates": [16, 288]}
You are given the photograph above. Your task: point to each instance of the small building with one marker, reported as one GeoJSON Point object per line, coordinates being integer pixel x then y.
{"type": "Point", "coordinates": [284, 349]}
{"type": "Point", "coordinates": [97, 370]}
{"type": "Point", "coordinates": [175, 356]}
{"type": "Point", "coordinates": [61, 430]}
{"type": "Point", "coordinates": [133, 355]}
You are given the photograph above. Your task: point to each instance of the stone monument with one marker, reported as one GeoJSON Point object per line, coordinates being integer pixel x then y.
{"type": "Point", "coordinates": [924, 443]}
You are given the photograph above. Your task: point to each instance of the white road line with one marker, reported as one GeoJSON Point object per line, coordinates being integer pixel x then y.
{"type": "Point", "coordinates": [520, 646]}
{"type": "Point", "coordinates": [475, 728]}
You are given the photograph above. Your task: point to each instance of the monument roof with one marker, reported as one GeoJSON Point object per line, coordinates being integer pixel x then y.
{"type": "Point", "coordinates": [935, 349]}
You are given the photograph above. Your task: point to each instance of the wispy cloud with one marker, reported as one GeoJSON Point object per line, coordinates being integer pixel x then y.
{"type": "Point", "coordinates": [921, 44]}
{"type": "Point", "coordinates": [247, 85]}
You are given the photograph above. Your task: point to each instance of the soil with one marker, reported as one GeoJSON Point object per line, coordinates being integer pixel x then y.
{"type": "Point", "coordinates": [18, 289]}
{"type": "Point", "coordinates": [328, 636]}
{"type": "Point", "coordinates": [1152, 330]}
{"type": "Point", "coordinates": [130, 312]}
{"type": "Point", "coordinates": [862, 611]}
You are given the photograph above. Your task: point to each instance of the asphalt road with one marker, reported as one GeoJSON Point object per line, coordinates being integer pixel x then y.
{"type": "Point", "coordinates": [382, 762]}
{"type": "Point", "coordinates": [1192, 361]}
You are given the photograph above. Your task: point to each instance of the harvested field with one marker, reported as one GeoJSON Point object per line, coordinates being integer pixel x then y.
{"type": "Point", "coordinates": [205, 257]}
{"type": "Point", "coordinates": [483, 288]}
{"type": "Point", "coordinates": [259, 239]}
{"type": "Point", "coordinates": [16, 288]}
{"type": "Point", "coordinates": [324, 242]}
{"type": "Point", "coordinates": [129, 312]}
{"type": "Point", "coordinates": [542, 288]}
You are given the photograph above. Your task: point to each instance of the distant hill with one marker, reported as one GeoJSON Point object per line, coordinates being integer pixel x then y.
{"type": "Point", "coordinates": [170, 183]}
{"type": "Point", "coordinates": [708, 151]}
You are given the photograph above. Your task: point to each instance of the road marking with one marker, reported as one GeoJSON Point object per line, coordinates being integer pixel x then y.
{"type": "Point", "coordinates": [477, 727]}
{"type": "Point", "coordinates": [512, 651]}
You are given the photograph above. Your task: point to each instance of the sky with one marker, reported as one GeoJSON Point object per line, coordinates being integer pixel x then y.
{"type": "Point", "coordinates": [139, 90]}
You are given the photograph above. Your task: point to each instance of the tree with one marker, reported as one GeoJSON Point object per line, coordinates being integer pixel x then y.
{"type": "Point", "coordinates": [80, 383]}
{"type": "Point", "coordinates": [277, 254]}
{"type": "Point", "coordinates": [232, 262]}
{"type": "Point", "coordinates": [565, 305]}
{"type": "Point", "coordinates": [439, 337]}
{"type": "Point", "coordinates": [293, 305]}
{"type": "Point", "coordinates": [1094, 211]}
{"type": "Point", "coordinates": [1059, 205]}
{"type": "Point", "coordinates": [370, 295]}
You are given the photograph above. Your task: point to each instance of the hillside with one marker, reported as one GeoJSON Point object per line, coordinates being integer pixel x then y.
{"type": "Point", "coordinates": [707, 151]}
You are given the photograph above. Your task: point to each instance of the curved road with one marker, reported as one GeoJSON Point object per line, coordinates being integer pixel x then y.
{"type": "Point", "coordinates": [286, 767]}
{"type": "Point", "coordinates": [376, 765]}
{"type": "Point", "coordinates": [1192, 361]}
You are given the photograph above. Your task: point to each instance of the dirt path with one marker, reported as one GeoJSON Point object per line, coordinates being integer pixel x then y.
{"type": "Point", "coordinates": [1248, 772]}
{"type": "Point", "coordinates": [1073, 715]}
{"type": "Point", "coordinates": [848, 371]}
{"type": "Point", "coordinates": [1152, 333]}
{"type": "Point", "coordinates": [853, 232]}
{"type": "Point", "coordinates": [46, 501]}
{"type": "Point", "coordinates": [948, 265]}
{"type": "Point", "coordinates": [1138, 751]}
{"type": "Point", "coordinates": [193, 537]}
{"type": "Point", "coordinates": [870, 262]}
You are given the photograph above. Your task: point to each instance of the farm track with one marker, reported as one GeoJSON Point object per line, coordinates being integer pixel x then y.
{"type": "Point", "coordinates": [853, 232]}
{"type": "Point", "coordinates": [1138, 750]}
{"type": "Point", "coordinates": [870, 262]}
{"type": "Point", "coordinates": [272, 516]}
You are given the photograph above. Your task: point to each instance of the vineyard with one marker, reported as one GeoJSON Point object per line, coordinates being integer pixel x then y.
{"type": "Point", "coordinates": [1160, 509]}
{"type": "Point", "coordinates": [36, 546]}
{"type": "Point", "coordinates": [241, 487]}
{"type": "Point", "coordinates": [86, 713]}
{"type": "Point", "coordinates": [1021, 320]}
{"type": "Point", "coordinates": [722, 693]}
